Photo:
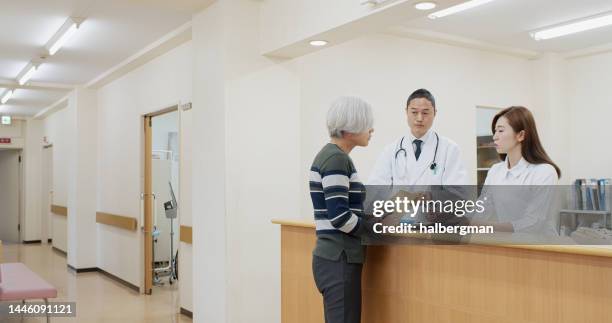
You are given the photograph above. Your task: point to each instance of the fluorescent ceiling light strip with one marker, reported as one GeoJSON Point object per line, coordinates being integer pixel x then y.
{"type": "Point", "coordinates": [458, 8]}
{"type": "Point", "coordinates": [27, 75]}
{"type": "Point", "coordinates": [63, 34]}
{"type": "Point", "coordinates": [574, 27]}
{"type": "Point", "coordinates": [7, 96]}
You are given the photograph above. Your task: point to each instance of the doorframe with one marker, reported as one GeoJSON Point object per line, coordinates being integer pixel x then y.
{"type": "Point", "coordinates": [21, 182]}
{"type": "Point", "coordinates": [46, 233]}
{"type": "Point", "coordinates": [147, 195]}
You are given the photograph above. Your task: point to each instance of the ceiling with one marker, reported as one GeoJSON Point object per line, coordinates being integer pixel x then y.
{"type": "Point", "coordinates": [508, 23]}
{"type": "Point", "coordinates": [113, 30]}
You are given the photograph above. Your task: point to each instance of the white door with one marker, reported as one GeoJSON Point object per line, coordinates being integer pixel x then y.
{"type": "Point", "coordinates": [9, 195]}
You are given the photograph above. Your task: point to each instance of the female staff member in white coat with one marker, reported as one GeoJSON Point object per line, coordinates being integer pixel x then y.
{"type": "Point", "coordinates": [525, 163]}
{"type": "Point", "coordinates": [422, 157]}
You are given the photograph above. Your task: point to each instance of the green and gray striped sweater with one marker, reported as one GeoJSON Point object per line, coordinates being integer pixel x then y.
{"type": "Point", "coordinates": [337, 197]}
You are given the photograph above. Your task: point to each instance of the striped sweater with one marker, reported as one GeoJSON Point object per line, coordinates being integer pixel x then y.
{"type": "Point", "coordinates": [337, 197]}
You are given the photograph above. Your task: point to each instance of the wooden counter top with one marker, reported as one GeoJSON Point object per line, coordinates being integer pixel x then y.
{"type": "Point", "coordinates": [599, 251]}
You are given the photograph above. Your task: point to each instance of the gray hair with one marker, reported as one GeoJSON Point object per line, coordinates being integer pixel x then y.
{"type": "Point", "coordinates": [349, 114]}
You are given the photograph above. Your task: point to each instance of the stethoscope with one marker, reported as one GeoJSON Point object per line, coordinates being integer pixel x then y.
{"type": "Point", "coordinates": [433, 165]}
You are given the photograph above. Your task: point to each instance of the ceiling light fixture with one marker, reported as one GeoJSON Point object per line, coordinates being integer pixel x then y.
{"type": "Point", "coordinates": [63, 34]}
{"type": "Point", "coordinates": [318, 43]}
{"type": "Point", "coordinates": [26, 74]}
{"type": "Point", "coordinates": [426, 5]}
{"type": "Point", "coordinates": [7, 96]}
{"type": "Point", "coordinates": [574, 27]}
{"type": "Point", "coordinates": [458, 8]}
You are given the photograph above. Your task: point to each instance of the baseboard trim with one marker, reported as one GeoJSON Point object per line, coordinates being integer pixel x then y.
{"type": "Point", "coordinates": [187, 313]}
{"type": "Point", "coordinates": [119, 280]}
{"type": "Point", "coordinates": [60, 251]}
{"type": "Point", "coordinates": [107, 274]}
{"type": "Point", "coordinates": [83, 270]}
{"type": "Point", "coordinates": [31, 241]}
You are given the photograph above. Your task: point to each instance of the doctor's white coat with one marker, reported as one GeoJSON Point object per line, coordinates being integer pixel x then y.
{"type": "Point", "coordinates": [406, 170]}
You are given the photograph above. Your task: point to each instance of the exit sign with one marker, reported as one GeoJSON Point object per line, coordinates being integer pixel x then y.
{"type": "Point", "coordinates": [5, 140]}
{"type": "Point", "coordinates": [6, 120]}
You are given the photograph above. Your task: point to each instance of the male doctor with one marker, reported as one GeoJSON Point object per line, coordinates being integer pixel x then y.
{"type": "Point", "coordinates": [421, 157]}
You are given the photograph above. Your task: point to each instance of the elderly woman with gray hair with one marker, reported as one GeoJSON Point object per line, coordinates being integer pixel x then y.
{"type": "Point", "coordinates": [337, 196]}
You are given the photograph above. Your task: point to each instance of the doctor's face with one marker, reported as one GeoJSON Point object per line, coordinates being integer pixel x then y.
{"type": "Point", "coordinates": [421, 114]}
{"type": "Point", "coordinates": [505, 138]}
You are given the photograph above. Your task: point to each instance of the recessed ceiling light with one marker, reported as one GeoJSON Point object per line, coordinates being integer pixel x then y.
{"type": "Point", "coordinates": [426, 5]}
{"type": "Point", "coordinates": [458, 8]}
{"type": "Point", "coordinates": [318, 43]}
{"type": "Point", "coordinates": [573, 27]}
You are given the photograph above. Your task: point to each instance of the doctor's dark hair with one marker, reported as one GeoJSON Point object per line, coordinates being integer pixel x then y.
{"type": "Point", "coordinates": [421, 94]}
{"type": "Point", "coordinates": [521, 119]}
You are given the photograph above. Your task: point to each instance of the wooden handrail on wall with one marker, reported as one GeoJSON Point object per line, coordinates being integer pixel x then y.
{"type": "Point", "coordinates": [59, 210]}
{"type": "Point", "coordinates": [186, 234]}
{"type": "Point", "coordinates": [119, 221]}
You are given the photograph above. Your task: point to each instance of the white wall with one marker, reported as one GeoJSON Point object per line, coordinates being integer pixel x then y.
{"type": "Point", "coordinates": [209, 238]}
{"type": "Point", "coordinates": [552, 109]}
{"type": "Point", "coordinates": [15, 131]}
{"type": "Point", "coordinates": [158, 84]}
{"type": "Point", "coordinates": [590, 105]}
{"type": "Point", "coordinates": [32, 173]}
{"type": "Point", "coordinates": [247, 111]}
{"type": "Point", "coordinates": [384, 70]}
{"type": "Point", "coordinates": [59, 128]}
{"type": "Point", "coordinates": [82, 181]}
{"type": "Point", "coordinates": [263, 183]}
{"type": "Point", "coordinates": [185, 216]}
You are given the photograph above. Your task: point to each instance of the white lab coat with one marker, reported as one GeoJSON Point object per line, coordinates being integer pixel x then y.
{"type": "Point", "coordinates": [406, 170]}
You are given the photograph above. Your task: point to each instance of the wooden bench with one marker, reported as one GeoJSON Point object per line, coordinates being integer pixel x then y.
{"type": "Point", "coordinates": [19, 283]}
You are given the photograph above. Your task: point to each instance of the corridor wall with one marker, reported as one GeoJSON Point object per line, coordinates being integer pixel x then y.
{"type": "Point", "coordinates": [59, 128]}
{"type": "Point", "coordinates": [160, 83]}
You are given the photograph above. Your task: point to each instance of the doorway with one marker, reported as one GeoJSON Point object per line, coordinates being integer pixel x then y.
{"type": "Point", "coordinates": [160, 197]}
{"type": "Point", "coordinates": [10, 199]}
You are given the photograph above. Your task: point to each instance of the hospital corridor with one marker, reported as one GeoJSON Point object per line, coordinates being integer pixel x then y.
{"type": "Point", "coordinates": [274, 161]}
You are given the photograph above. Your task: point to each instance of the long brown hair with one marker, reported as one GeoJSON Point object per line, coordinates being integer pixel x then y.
{"type": "Point", "coordinates": [521, 119]}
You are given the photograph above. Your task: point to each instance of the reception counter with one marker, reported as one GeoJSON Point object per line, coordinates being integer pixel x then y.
{"type": "Point", "coordinates": [457, 283]}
